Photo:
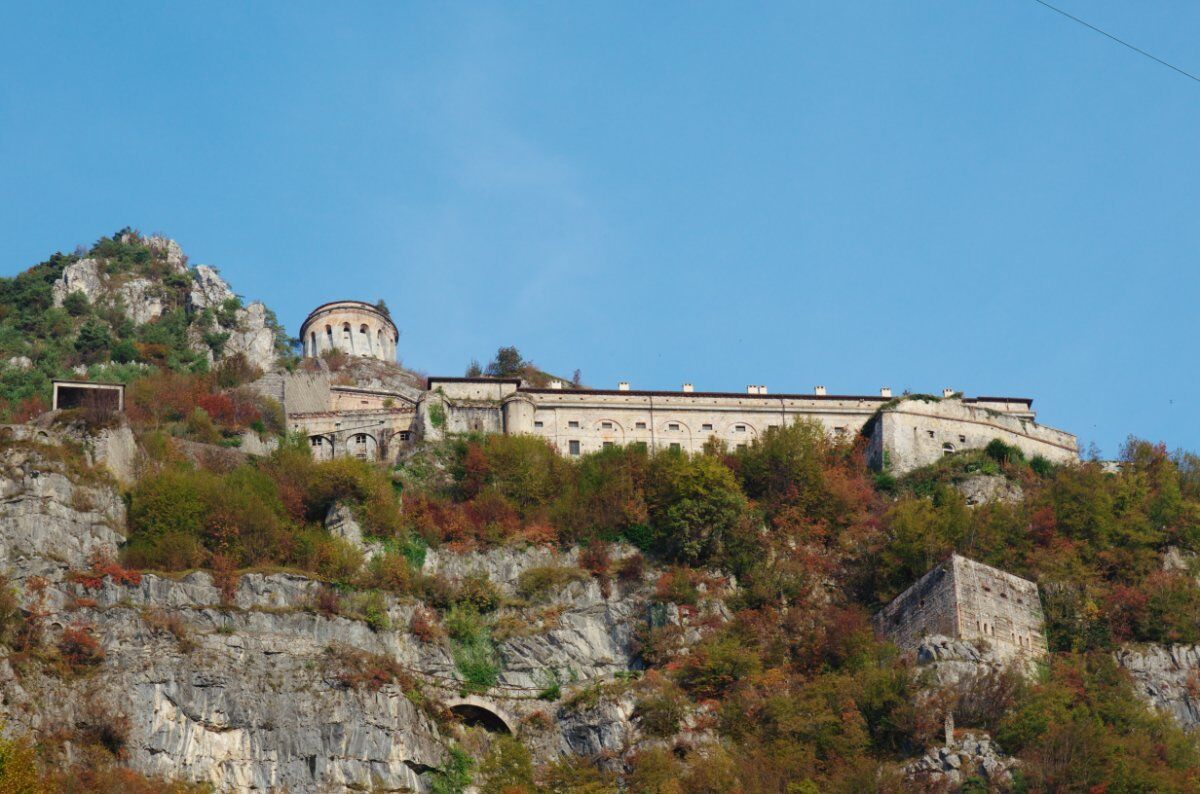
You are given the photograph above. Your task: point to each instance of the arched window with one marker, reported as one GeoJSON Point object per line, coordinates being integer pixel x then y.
{"type": "Point", "coordinates": [364, 340]}
{"type": "Point", "coordinates": [347, 338]}
{"type": "Point", "coordinates": [312, 343]}
{"type": "Point", "coordinates": [947, 448]}
{"type": "Point", "coordinates": [329, 337]}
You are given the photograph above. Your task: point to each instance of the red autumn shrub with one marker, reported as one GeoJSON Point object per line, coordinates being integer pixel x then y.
{"type": "Point", "coordinates": [79, 649]}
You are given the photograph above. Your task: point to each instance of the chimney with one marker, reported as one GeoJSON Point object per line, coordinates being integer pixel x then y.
{"type": "Point", "coordinates": [886, 391]}
{"type": "Point", "coordinates": [687, 387]}
{"type": "Point", "coordinates": [556, 384]}
{"type": "Point", "coordinates": [819, 391]}
{"type": "Point", "coordinates": [623, 386]}
{"type": "Point", "coordinates": [762, 389]}
{"type": "Point", "coordinates": [751, 390]}
{"type": "Point", "coordinates": [947, 392]}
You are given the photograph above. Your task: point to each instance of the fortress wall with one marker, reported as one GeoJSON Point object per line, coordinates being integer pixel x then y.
{"type": "Point", "coordinates": [999, 607]}
{"type": "Point", "coordinates": [596, 419]}
{"type": "Point", "coordinates": [964, 599]}
{"type": "Point", "coordinates": [927, 607]}
{"type": "Point", "coordinates": [916, 433]}
{"type": "Point", "coordinates": [351, 399]}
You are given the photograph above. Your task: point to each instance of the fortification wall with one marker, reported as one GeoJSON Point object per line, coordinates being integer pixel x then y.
{"type": "Point", "coordinates": [996, 606]}
{"type": "Point", "coordinates": [578, 422]}
{"type": "Point", "coordinates": [967, 600]}
{"type": "Point", "coordinates": [927, 607]}
{"type": "Point", "coordinates": [915, 433]}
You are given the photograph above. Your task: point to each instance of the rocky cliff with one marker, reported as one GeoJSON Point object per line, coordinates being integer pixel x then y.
{"type": "Point", "coordinates": [263, 682]}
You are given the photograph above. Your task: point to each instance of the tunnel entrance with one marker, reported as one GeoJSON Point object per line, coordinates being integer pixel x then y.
{"type": "Point", "coordinates": [472, 715]}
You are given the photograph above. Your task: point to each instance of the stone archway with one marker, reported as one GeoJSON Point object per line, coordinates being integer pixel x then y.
{"type": "Point", "coordinates": [474, 710]}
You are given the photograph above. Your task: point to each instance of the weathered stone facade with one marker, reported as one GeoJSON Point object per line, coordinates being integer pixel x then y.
{"type": "Point", "coordinates": [903, 433]}
{"type": "Point", "coordinates": [354, 327]}
{"type": "Point", "coordinates": [966, 600]}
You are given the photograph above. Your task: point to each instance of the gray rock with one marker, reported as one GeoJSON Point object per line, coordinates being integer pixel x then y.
{"type": "Point", "coordinates": [252, 337]}
{"type": "Point", "coordinates": [984, 488]}
{"type": "Point", "coordinates": [209, 290]}
{"type": "Point", "coordinates": [82, 276]}
{"type": "Point", "coordinates": [142, 299]}
{"type": "Point", "coordinates": [1164, 677]}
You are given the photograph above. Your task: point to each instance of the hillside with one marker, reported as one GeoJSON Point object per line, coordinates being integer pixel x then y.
{"type": "Point", "coordinates": [192, 602]}
{"type": "Point", "coordinates": [128, 305]}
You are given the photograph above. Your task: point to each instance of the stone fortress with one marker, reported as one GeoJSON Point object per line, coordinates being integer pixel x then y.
{"type": "Point", "coordinates": [966, 600]}
{"type": "Point", "coordinates": [903, 432]}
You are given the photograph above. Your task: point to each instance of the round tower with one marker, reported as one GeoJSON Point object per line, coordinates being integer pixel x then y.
{"type": "Point", "coordinates": [354, 327]}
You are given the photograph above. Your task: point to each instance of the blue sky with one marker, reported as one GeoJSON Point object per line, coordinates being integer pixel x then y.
{"type": "Point", "coordinates": [922, 194]}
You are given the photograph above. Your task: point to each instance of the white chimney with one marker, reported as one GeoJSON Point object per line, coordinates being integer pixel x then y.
{"type": "Point", "coordinates": [556, 384]}
{"type": "Point", "coordinates": [751, 390]}
{"type": "Point", "coordinates": [886, 391]}
{"type": "Point", "coordinates": [687, 387]}
{"type": "Point", "coordinates": [820, 391]}
{"type": "Point", "coordinates": [947, 392]}
{"type": "Point", "coordinates": [762, 389]}
{"type": "Point", "coordinates": [623, 386]}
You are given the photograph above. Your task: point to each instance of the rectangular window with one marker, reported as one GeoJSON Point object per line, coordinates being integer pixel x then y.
{"type": "Point", "coordinates": [740, 428]}
{"type": "Point", "coordinates": [841, 431]}
{"type": "Point", "coordinates": [573, 424]}
{"type": "Point", "coordinates": [404, 435]}
{"type": "Point", "coordinates": [607, 444]}
{"type": "Point", "coordinates": [640, 425]}
{"type": "Point", "coordinates": [573, 447]}
{"type": "Point", "coordinates": [962, 439]}
{"type": "Point", "coordinates": [672, 426]}
{"type": "Point", "coordinates": [639, 445]}
{"type": "Point", "coordinates": [674, 447]}
{"type": "Point", "coordinates": [606, 425]}
{"type": "Point", "coordinates": [706, 427]}
{"type": "Point", "coordinates": [539, 424]}
{"type": "Point", "coordinates": [930, 432]}
{"type": "Point", "coordinates": [741, 446]}
{"type": "Point", "coordinates": [316, 441]}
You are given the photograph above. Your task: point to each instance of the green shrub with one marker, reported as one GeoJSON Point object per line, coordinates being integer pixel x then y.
{"type": "Point", "coordinates": [538, 582]}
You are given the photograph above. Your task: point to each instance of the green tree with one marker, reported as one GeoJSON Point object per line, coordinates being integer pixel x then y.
{"type": "Point", "coordinates": [507, 364]}
{"type": "Point", "coordinates": [694, 502]}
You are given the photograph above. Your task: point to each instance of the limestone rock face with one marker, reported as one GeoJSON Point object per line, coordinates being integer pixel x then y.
{"type": "Point", "coordinates": [142, 299]}
{"type": "Point", "coordinates": [170, 251]}
{"type": "Point", "coordinates": [46, 520]}
{"type": "Point", "coordinates": [82, 276]}
{"type": "Point", "coordinates": [245, 685]}
{"type": "Point", "coordinates": [1166, 678]}
{"type": "Point", "coordinates": [984, 488]}
{"type": "Point", "coordinates": [252, 337]}
{"type": "Point", "coordinates": [208, 288]}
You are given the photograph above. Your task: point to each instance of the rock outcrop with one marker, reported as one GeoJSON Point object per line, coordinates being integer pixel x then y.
{"type": "Point", "coordinates": [255, 683]}
{"type": "Point", "coordinates": [967, 755]}
{"type": "Point", "coordinates": [253, 337]}
{"type": "Point", "coordinates": [209, 290]}
{"type": "Point", "coordinates": [983, 488]}
{"type": "Point", "coordinates": [1168, 678]}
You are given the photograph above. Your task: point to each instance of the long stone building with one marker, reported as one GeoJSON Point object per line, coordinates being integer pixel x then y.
{"type": "Point", "coordinates": [903, 432]}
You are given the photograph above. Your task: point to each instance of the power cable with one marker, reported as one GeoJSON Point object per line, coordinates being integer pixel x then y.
{"type": "Point", "coordinates": [1122, 42]}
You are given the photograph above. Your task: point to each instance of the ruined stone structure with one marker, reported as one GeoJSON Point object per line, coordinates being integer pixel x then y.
{"type": "Point", "coordinates": [342, 420]}
{"type": "Point", "coordinates": [903, 433]}
{"type": "Point", "coordinates": [967, 600]}
{"type": "Point", "coordinates": [354, 327]}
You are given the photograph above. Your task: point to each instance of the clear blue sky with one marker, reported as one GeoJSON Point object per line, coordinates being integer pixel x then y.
{"type": "Point", "coordinates": [915, 194]}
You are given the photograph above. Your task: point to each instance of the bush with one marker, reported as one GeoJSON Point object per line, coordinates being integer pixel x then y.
{"type": "Point", "coordinates": [78, 649]}
{"type": "Point", "coordinates": [539, 582]}
{"type": "Point", "coordinates": [694, 502]}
